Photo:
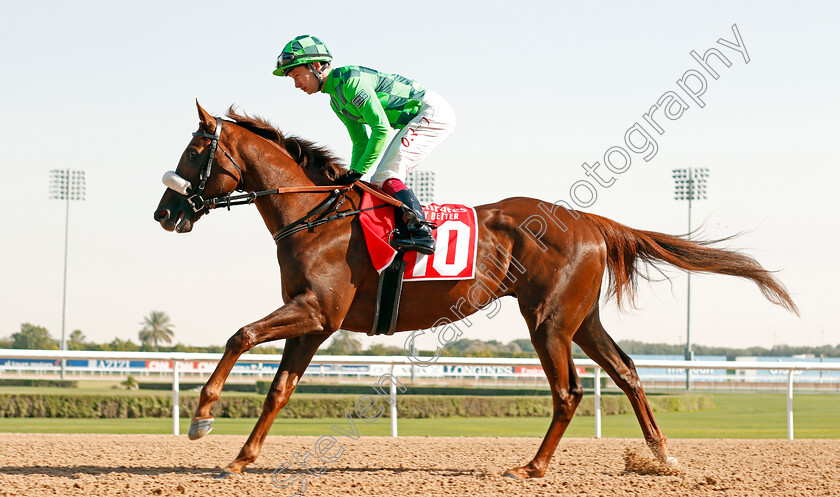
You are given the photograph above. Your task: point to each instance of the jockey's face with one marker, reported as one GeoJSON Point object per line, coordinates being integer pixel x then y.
{"type": "Point", "coordinates": [304, 79]}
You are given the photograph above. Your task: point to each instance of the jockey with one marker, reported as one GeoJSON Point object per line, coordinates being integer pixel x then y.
{"type": "Point", "coordinates": [360, 96]}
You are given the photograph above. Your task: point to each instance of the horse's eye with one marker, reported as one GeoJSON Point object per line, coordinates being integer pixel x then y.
{"type": "Point", "coordinates": [192, 156]}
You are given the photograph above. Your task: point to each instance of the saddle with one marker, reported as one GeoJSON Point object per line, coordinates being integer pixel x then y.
{"type": "Point", "coordinates": [456, 234]}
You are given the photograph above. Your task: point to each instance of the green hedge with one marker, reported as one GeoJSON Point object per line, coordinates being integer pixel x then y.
{"type": "Point", "coordinates": [21, 382]}
{"type": "Point", "coordinates": [409, 406]}
{"type": "Point", "coordinates": [262, 389]}
{"type": "Point", "coordinates": [83, 406]}
{"type": "Point", "coordinates": [192, 386]}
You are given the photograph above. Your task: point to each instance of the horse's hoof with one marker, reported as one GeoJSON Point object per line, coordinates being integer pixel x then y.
{"type": "Point", "coordinates": [227, 474]}
{"type": "Point", "coordinates": [671, 462]}
{"type": "Point", "coordinates": [200, 428]}
{"type": "Point", "coordinates": [522, 473]}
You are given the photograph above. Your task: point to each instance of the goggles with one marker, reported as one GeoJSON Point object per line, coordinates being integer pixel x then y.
{"type": "Point", "coordinates": [285, 59]}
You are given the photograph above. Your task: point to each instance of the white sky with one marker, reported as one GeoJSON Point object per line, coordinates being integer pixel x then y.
{"type": "Point", "coordinates": [538, 88]}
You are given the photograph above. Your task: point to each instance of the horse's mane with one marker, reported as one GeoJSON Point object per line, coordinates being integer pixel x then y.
{"type": "Point", "coordinates": [306, 153]}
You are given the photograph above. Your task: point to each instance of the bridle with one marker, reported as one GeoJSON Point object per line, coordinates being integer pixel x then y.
{"type": "Point", "coordinates": [196, 201]}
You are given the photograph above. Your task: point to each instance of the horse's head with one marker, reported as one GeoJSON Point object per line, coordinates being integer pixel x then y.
{"type": "Point", "coordinates": [202, 173]}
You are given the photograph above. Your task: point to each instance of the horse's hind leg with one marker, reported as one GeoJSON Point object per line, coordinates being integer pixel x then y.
{"type": "Point", "coordinates": [554, 349]}
{"type": "Point", "coordinates": [598, 345]}
{"type": "Point", "coordinates": [296, 356]}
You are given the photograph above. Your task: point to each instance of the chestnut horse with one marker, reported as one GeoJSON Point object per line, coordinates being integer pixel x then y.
{"type": "Point", "coordinates": [552, 260]}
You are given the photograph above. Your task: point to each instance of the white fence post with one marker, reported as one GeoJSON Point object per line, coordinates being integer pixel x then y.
{"type": "Point", "coordinates": [176, 407]}
{"type": "Point", "coordinates": [790, 405]}
{"type": "Point", "coordinates": [597, 402]}
{"type": "Point", "coordinates": [393, 401]}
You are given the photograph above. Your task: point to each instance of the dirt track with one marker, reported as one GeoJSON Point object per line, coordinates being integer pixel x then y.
{"type": "Point", "coordinates": [136, 465]}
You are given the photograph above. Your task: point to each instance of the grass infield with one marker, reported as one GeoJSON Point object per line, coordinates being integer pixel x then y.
{"type": "Point", "coordinates": [737, 415]}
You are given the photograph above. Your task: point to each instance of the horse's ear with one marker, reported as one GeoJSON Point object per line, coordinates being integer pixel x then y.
{"type": "Point", "coordinates": [206, 119]}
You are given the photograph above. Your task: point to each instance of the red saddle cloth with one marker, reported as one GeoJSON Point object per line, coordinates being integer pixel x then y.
{"type": "Point", "coordinates": [456, 236]}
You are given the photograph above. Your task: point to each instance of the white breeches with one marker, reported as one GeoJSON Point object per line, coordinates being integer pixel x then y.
{"type": "Point", "coordinates": [410, 145]}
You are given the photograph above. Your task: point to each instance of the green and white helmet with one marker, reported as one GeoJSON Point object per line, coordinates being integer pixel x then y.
{"type": "Point", "coordinates": [304, 49]}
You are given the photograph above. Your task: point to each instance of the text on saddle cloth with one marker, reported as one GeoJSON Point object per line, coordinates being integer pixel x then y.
{"type": "Point", "coordinates": [456, 236]}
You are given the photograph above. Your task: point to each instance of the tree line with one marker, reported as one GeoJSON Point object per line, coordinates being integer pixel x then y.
{"type": "Point", "coordinates": [157, 330]}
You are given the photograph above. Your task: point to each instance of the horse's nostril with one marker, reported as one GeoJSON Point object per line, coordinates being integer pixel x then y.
{"type": "Point", "coordinates": [162, 215]}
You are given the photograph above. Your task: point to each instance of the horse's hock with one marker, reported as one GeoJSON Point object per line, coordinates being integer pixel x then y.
{"type": "Point", "coordinates": [110, 465]}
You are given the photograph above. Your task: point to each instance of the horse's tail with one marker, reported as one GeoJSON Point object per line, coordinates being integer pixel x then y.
{"type": "Point", "coordinates": [627, 247]}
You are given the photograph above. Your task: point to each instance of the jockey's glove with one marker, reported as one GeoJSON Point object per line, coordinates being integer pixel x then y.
{"type": "Point", "coordinates": [349, 177]}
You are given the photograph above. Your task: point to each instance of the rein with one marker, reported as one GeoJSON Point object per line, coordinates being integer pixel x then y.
{"type": "Point", "coordinates": [249, 198]}
{"type": "Point", "coordinates": [328, 206]}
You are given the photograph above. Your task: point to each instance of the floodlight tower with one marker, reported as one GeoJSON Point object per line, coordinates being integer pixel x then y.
{"type": "Point", "coordinates": [67, 185]}
{"type": "Point", "coordinates": [689, 184]}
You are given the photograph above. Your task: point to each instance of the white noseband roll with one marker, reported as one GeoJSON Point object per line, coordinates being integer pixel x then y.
{"type": "Point", "coordinates": [175, 182]}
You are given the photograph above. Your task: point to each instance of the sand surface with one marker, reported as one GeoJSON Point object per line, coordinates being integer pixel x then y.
{"type": "Point", "coordinates": [139, 465]}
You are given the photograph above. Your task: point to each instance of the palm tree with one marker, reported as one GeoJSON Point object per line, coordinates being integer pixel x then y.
{"type": "Point", "coordinates": [76, 341]}
{"type": "Point", "coordinates": [344, 344]}
{"type": "Point", "coordinates": [156, 328]}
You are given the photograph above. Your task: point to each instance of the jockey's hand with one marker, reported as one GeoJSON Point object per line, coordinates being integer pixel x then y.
{"type": "Point", "coordinates": [348, 178]}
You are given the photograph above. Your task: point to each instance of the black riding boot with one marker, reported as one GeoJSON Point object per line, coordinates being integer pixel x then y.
{"type": "Point", "coordinates": [419, 233]}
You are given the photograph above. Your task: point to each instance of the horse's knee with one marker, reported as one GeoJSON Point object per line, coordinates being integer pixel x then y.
{"type": "Point", "coordinates": [242, 341]}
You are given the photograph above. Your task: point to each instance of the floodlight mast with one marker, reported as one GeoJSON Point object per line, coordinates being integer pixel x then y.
{"type": "Point", "coordinates": [67, 185]}
{"type": "Point", "coordinates": [689, 184]}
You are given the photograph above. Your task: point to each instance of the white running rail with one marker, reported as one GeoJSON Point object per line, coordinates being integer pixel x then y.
{"type": "Point", "coordinates": [393, 361]}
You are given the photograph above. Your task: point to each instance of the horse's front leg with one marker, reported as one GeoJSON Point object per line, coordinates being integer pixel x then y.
{"type": "Point", "coordinates": [301, 315]}
{"type": "Point", "coordinates": [296, 356]}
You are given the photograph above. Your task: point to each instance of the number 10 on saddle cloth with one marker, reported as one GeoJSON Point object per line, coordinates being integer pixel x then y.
{"type": "Point", "coordinates": [456, 236]}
